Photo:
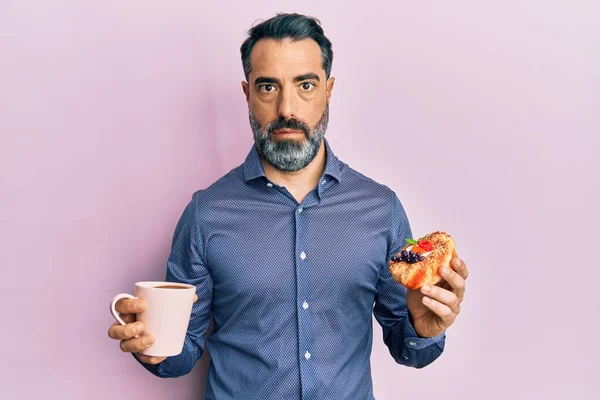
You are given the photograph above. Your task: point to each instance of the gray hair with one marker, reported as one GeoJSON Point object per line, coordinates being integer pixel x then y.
{"type": "Point", "coordinates": [288, 26]}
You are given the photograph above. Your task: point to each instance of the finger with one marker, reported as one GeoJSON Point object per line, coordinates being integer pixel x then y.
{"type": "Point", "coordinates": [195, 298]}
{"type": "Point", "coordinates": [150, 359]}
{"type": "Point", "coordinates": [124, 332]}
{"type": "Point", "coordinates": [456, 282]}
{"type": "Point", "coordinates": [442, 295]}
{"type": "Point", "coordinates": [460, 267]}
{"type": "Point", "coordinates": [444, 312]}
{"type": "Point", "coordinates": [130, 306]}
{"type": "Point", "coordinates": [137, 344]}
{"type": "Point", "coordinates": [128, 318]}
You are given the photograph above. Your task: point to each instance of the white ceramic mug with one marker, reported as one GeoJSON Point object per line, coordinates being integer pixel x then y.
{"type": "Point", "coordinates": [167, 314]}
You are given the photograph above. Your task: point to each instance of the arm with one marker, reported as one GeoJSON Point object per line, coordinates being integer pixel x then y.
{"type": "Point", "coordinates": [185, 264]}
{"type": "Point", "coordinates": [391, 312]}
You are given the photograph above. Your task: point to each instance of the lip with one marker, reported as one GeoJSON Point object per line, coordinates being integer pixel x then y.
{"type": "Point", "coordinates": [287, 132]}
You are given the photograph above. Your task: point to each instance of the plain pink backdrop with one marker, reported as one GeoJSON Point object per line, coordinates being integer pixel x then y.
{"type": "Point", "coordinates": [482, 116]}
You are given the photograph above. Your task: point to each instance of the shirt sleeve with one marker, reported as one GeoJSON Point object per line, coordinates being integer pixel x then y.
{"type": "Point", "coordinates": [186, 265]}
{"type": "Point", "coordinates": [391, 312]}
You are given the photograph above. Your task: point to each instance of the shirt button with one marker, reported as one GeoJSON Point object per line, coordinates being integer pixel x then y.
{"type": "Point", "coordinates": [305, 305]}
{"type": "Point", "coordinates": [412, 343]}
{"type": "Point", "coordinates": [307, 355]}
{"type": "Point", "coordinates": [323, 182]}
{"type": "Point", "coordinates": [303, 255]}
{"type": "Point", "coordinates": [269, 184]}
{"type": "Point", "coordinates": [300, 209]}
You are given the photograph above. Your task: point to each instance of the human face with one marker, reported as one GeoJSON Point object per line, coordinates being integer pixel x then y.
{"type": "Point", "coordinates": [288, 101]}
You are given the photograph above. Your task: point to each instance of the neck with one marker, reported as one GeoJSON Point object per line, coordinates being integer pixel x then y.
{"type": "Point", "coordinates": [306, 178]}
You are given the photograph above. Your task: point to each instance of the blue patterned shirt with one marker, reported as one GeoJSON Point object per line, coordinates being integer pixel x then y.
{"type": "Point", "coordinates": [292, 287]}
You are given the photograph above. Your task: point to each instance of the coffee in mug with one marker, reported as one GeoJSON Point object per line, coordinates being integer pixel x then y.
{"type": "Point", "coordinates": [171, 287]}
{"type": "Point", "coordinates": [167, 315]}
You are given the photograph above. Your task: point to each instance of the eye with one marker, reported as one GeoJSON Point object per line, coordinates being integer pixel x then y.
{"type": "Point", "coordinates": [307, 86]}
{"type": "Point", "coordinates": [266, 88]}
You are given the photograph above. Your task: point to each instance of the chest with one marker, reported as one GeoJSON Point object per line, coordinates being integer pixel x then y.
{"type": "Point", "coordinates": [274, 253]}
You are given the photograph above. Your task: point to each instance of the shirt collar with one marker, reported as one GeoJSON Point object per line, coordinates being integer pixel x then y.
{"type": "Point", "coordinates": [253, 168]}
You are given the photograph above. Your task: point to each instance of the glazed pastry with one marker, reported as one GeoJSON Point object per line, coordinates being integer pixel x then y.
{"type": "Point", "coordinates": [417, 263]}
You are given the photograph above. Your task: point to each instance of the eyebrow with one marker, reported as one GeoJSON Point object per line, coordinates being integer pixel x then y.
{"type": "Point", "coordinates": [305, 77]}
{"type": "Point", "coordinates": [299, 78]}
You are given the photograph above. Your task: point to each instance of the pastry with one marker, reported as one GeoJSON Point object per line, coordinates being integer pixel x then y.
{"type": "Point", "coordinates": [417, 263]}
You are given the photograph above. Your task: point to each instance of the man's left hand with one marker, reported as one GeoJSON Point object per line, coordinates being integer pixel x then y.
{"type": "Point", "coordinates": [434, 308]}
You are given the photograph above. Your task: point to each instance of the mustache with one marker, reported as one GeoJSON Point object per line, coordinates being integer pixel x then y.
{"type": "Point", "coordinates": [294, 124]}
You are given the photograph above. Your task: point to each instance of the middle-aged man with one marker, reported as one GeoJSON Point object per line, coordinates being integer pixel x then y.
{"type": "Point", "coordinates": [289, 251]}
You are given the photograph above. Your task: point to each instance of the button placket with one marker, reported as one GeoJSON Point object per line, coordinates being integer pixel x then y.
{"type": "Point", "coordinates": [306, 335]}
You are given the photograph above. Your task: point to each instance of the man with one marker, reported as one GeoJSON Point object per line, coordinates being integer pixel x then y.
{"type": "Point", "coordinates": [289, 250]}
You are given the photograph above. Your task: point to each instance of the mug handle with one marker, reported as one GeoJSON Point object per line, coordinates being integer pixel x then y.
{"type": "Point", "coordinates": [114, 311]}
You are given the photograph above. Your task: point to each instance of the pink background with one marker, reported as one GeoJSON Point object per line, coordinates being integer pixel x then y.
{"type": "Point", "coordinates": [482, 116]}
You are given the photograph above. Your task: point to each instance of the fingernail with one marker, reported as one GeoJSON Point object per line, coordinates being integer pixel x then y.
{"type": "Point", "coordinates": [426, 299]}
{"type": "Point", "coordinates": [149, 340]}
{"type": "Point", "coordinates": [456, 262]}
{"type": "Point", "coordinates": [425, 288]}
{"type": "Point", "coordinates": [137, 328]}
{"type": "Point", "coordinates": [444, 271]}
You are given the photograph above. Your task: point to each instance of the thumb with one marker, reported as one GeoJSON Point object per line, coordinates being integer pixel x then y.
{"type": "Point", "coordinates": [195, 298]}
{"type": "Point", "coordinates": [150, 359]}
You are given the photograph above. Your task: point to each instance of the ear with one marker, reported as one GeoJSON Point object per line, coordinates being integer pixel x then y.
{"type": "Point", "coordinates": [246, 90]}
{"type": "Point", "coordinates": [330, 84]}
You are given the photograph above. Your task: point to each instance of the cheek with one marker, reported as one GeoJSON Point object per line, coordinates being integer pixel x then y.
{"type": "Point", "coordinates": [263, 113]}
{"type": "Point", "coordinates": [314, 112]}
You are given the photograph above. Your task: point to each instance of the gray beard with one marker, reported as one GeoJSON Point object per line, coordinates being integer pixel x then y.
{"type": "Point", "coordinates": [289, 155]}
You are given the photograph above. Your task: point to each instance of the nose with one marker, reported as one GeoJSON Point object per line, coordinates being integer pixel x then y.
{"type": "Point", "coordinates": [287, 104]}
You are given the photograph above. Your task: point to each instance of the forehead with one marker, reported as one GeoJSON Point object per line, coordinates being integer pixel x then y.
{"type": "Point", "coordinates": [286, 58]}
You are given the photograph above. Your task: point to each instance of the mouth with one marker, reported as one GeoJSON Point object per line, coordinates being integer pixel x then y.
{"type": "Point", "coordinates": [288, 132]}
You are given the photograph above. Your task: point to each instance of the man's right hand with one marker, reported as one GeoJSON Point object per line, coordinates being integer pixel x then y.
{"type": "Point", "coordinates": [132, 335]}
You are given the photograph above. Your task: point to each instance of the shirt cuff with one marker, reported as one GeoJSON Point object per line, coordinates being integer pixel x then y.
{"type": "Point", "coordinates": [155, 369]}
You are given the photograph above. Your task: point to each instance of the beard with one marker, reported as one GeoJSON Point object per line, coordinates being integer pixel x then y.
{"type": "Point", "coordinates": [289, 155]}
